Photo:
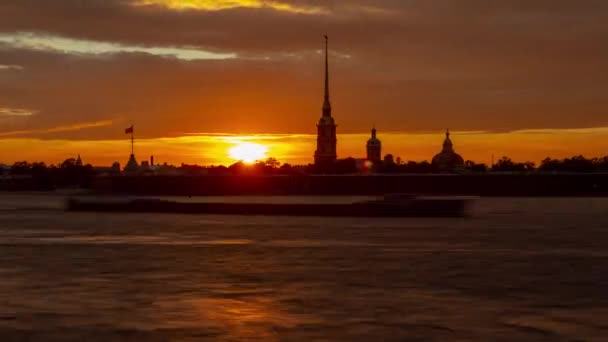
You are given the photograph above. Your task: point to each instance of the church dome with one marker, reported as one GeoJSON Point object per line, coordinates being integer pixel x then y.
{"type": "Point", "coordinates": [447, 159]}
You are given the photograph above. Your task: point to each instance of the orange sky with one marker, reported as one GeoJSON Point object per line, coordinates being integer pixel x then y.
{"type": "Point", "coordinates": [72, 77]}
{"type": "Point", "coordinates": [298, 149]}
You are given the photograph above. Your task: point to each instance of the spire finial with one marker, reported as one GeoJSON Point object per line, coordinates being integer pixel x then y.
{"type": "Point", "coordinates": [326, 103]}
{"type": "Point", "coordinates": [447, 143]}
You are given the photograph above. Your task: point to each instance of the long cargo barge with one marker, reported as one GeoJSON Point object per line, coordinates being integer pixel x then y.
{"type": "Point", "coordinates": [387, 207]}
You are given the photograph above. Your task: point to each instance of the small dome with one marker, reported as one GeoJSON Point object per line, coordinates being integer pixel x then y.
{"type": "Point", "coordinates": [447, 159]}
{"type": "Point", "coordinates": [374, 141]}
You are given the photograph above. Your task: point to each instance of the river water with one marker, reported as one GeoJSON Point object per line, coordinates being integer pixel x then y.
{"type": "Point", "coordinates": [517, 269]}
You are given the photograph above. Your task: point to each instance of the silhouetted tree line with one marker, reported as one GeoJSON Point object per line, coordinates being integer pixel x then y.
{"type": "Point", "coordinates": [270, 166]}
{"type": "Point", "coordinates": [69, 173]}
{"type": "Point", "coordinates": [392, 165]}
{"type": "Point", "coordinates": [505, 164]}
{"type": "Point", "coordinates": [576, 164]}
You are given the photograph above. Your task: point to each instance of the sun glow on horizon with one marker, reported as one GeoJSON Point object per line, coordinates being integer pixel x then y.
{"type": "Point", "coordinates": [225, 149]}
{"type": "Point", "coordinates": [248, 152]}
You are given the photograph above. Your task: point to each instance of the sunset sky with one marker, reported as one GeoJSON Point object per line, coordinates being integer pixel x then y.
{"type": "Point", "coordinates": [526, 79]}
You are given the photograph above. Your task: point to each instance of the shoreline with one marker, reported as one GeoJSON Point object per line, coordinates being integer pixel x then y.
{"type": "Point", "coordinates": [491, 185]}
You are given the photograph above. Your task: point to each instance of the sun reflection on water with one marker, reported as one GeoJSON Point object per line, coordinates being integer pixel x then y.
{"type": "Point", "coordinates": [251, 316]}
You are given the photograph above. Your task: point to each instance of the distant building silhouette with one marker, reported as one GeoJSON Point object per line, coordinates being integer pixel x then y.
{"type": "Point", "coordinates": [326, 128]}
{"type": "Point", "coordinates": [448, 160]}
{"type": "Point", "coordinates": [132, 165]}
{"type": "Point", "coordinates": [374, 147]}
{"type": "Point", "coordinates": [115, 168]}
{"type": "Point", "coordinates": [78, 161]}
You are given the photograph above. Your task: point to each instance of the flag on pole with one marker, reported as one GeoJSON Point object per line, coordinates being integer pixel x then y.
{"type": "Point", "coordinates": [129, 130]}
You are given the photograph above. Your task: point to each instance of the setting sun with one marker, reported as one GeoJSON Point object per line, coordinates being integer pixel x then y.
{"type": "Point", "coordinates": [248, 152]}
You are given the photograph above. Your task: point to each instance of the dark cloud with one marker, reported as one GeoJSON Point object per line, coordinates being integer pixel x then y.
{"type": "Point", "coordinates": [414, 65]}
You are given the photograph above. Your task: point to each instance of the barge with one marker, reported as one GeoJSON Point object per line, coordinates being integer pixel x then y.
{"type": "Point", "coordinates": [389, 206]}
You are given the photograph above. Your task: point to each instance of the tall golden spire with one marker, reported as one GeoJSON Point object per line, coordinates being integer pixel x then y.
{"type": "Point", "coordinates": [326, 103]}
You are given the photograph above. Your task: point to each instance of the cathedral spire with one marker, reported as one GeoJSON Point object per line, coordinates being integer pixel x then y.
{"type": "Point", "coordinates": [326, 128]}
{"type": "Point", "coordinates": [326, 103]}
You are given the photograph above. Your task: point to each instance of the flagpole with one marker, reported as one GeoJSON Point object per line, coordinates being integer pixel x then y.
{"type": "Point", "coordinates": [132, 140]}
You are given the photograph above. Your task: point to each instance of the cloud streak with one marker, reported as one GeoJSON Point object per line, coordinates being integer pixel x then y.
{"type": "Point", "coordinates": [74, 127]}
{"type": "Point", "coordinates": [5, 111]}
{"type": "Point", "coordinates": [10, 67]}
{"type": "Point", "coordinates": [52, 43]}
{"type": "Point", "coordinates": [218, 5]}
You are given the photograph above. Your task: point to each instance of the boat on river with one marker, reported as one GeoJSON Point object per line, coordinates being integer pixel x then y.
{"type": "Point", "coordinates": [393, 205]}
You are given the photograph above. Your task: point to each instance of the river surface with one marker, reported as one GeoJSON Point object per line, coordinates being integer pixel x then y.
{"type": "Point", "coordinates": [517, 269]}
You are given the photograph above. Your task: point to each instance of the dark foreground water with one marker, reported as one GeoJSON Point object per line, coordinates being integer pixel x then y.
{"type": "Point", "coordinates": [519, 269]}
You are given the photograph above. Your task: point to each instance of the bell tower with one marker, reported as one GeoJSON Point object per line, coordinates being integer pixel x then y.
{"type": "Point", "coordinates": [326, 128]}
{"type": "Point", "coordinates": [374, 147]}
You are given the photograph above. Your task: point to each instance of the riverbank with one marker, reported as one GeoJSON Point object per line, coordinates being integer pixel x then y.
{"type": "Point", "coordinates": [500, 185]}
{"type": "Point", "coordinates": [487, 185]}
